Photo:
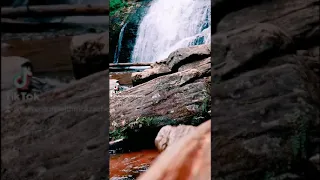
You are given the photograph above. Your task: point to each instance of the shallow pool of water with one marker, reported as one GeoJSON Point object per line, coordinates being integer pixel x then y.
{"type": "Point", "coordinates": [131, 165]}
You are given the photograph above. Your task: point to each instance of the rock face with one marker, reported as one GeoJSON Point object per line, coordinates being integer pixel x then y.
{"type": "Point", "coordinates": [188, 159]}
{"type": "Point", "coordinates": [180, 60]}
{"type": "Point", "coordinates": [168, 135]}
{"type": "Point", "coordinates": [180, 95]}
{"type": "Point", "coordinates": [265, 90]}
{"type": "Point", "coordinates": [130, 17]}
{"type": "Point", "coordinates": [63, 135]}
{"type": "Point", "coordinates": [89, 54]}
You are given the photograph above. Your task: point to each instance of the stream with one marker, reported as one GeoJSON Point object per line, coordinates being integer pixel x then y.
{"type": "Point", "coordinates": [129, 166]}
{"type": "Point", "coordinates": [167, 26]}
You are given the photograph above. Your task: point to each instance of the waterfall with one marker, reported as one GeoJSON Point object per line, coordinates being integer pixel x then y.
{"type": "Point", "coordinates": [117, 53]}
{"type": "Point", "coordinates": [170, 25]}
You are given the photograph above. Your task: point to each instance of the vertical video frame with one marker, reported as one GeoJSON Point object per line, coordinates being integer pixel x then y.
{"type": "Point", "coordinates": [160, 82]}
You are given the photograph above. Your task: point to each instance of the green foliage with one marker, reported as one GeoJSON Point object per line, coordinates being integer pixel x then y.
{"type": "Point", "coordinates": [151, 122]}
{"type": "Point", "coordinates": [116, 5]}
{"type": "Point", "coordinates": [203, 115]}
{"type": "Point", "coordinates": [119, 133]}
{"type": "Point", "coordinates": [139, 123]}
{"type": "Point", "coordinates": [205, 107]}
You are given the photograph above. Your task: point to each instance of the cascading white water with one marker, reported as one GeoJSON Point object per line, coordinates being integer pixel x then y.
{"type": "Point", "coordinates": [118, 49]}
{"type": "Point", "coordinates": [170, 25]}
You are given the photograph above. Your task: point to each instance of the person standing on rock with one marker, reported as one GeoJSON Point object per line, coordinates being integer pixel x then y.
{"type": "Point", "coordinates": [117, 87]}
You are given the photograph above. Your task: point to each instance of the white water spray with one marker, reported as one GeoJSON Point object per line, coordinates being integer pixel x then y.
{"type": "Point", "coordinates": [170, 25]}
{"type": "Point", "coordinates": [118, 49]}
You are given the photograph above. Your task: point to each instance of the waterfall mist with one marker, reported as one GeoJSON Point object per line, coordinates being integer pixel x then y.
{"type": "Point", "coordinates": [170, 25]}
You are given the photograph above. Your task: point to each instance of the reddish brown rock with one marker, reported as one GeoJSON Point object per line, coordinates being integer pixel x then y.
{"type": "Point", "coordinates": [188, 159]}
{"type": "Point", "coordinates": [169, 135]}
{"type": "Point", "coordinates": [180, 94]}
{"type": "Point", "coordinates": [179, 60]}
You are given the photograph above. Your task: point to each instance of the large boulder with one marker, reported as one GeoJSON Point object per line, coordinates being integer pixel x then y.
{"type": "Point", "coordinates": [187, 159]}
{"type": "Point", "coordinates": [179, 60]}
{"type": "Point", "coordinates": [89, 54]}
{"type": "Point", "coordinates": [169, 135]}
{"type": "Point", "coordinates": [265, 92]}
{"type": "Point", "coordinates": [298, 18]}
{"type": "Point", "coordinates": [63, 135]}
{"type": "Point", "coordinates": [179, 96]}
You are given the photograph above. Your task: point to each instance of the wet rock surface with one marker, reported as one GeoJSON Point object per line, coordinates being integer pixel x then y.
{"type": "Point", "coordinates": [188, 159]}
{"type": "Point", "coordinates": [181, 96]}
{"type": "Point", "coordinates": [265, 90]}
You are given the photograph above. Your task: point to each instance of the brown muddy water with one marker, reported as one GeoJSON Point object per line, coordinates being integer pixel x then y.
{"type": "Point", "coordinates": [129, 166]}
{"type": "Point", "coordinates": [124, 78]}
